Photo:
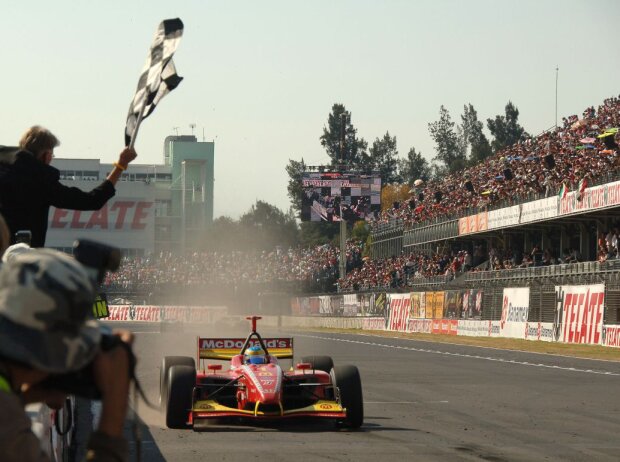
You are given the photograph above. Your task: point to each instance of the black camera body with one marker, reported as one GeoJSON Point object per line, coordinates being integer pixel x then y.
{"type": "Point", "coordinates": [97, 258]}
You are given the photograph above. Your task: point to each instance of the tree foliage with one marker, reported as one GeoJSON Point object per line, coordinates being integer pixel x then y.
{"type": "Point", "coordinates": [477, 142]}
{"type": "Point", "coordinates": [354, 152]}
{"type": "Point", "coordinates": [266, 226]}
{"type": "Point", "coordinates": [414, 167]}
{"type": "Point", "coordinates": [505, 129]}
{"type": "Point", "coordinates": [448, 147]}
{"type": "Point", "coordinates": [383, 158]}
{"type": "Point", "coordinates": [294, 169]}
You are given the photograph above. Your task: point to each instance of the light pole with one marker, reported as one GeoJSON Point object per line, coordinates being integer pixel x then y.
{"type": "Point", "coordinates": [556, 95]}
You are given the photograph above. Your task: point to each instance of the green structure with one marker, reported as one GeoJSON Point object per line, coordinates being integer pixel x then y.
{"type": "Point", "coordinates": [192, 165]}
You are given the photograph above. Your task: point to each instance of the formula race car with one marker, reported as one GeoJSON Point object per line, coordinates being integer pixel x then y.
{"type": "Point", "coordinates": [255, 387]}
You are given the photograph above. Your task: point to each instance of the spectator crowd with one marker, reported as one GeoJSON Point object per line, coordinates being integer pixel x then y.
{"type": "Point", "coordinates": [293, 265]}
{"type": "Point", "coordinates": [530, 168]}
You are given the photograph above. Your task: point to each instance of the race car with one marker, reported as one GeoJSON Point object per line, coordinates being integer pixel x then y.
{"type": "Point", "coordinates": [255, 387]}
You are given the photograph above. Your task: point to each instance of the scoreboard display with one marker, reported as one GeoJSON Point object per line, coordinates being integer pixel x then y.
{"type": "Point", "coordinates": [337, 196]}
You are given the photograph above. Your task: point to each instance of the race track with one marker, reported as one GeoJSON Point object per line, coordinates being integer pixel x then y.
{"type": "Point", "coordinates": [423, 401]}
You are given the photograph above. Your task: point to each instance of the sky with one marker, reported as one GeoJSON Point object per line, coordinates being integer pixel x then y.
{"type": "Point", "coordinates": [260, 77]}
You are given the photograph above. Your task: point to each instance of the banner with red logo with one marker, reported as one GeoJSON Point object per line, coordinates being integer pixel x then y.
{"type": "Point", "coordinates": [399, 311]}
{"type": "Point", "coordinates": [611, 335]}
{"type": "Point", "coordinates": [581, 310]}
{"type": "Point", "coordinates": [445, 326]}
{"type": "Point", "coordinates": [472, 304]}
{"type": "Point", "coordinates": [515, 309]}
{"type": "Point", "coordinates": [422, 326]}
{"type": "Point", "coordinates": [543, 331]}
{"type": "Point", "coordinates": [373, 324]}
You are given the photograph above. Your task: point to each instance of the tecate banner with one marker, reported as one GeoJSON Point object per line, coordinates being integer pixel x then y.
{"type": "Point", "coordinates": [515, 309]}
{"type": "Point", "coordinates": [580, 311]}
{"type": "Point", "coordinates": [399, 311]}
{"type": "Point", "coordinates": [611, 335]}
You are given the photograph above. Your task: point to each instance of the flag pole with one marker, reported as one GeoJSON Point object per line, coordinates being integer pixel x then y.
{"type": "Point", "coordinates": [138, 122]}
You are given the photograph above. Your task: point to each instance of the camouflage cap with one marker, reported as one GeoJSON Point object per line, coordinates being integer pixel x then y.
{"type": "Point", "coordinates": [46, 300]}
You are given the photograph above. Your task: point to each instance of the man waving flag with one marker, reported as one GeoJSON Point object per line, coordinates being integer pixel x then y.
{"type": "Point", "coordinates": [158, 77]}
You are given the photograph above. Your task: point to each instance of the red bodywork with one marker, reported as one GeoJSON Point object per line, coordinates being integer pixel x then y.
{"type": "Point", "coordinates": [260, 391]}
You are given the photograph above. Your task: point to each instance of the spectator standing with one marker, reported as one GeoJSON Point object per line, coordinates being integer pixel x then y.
{"type": "Point", "coordinates": [29, 185]}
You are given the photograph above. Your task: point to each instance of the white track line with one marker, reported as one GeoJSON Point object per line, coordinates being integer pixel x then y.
{"type": "Point", "coordinates": [464, 355]}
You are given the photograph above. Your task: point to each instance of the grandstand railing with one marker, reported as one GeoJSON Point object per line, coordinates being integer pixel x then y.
{"type": "Point", "coordinates": [401, 224]}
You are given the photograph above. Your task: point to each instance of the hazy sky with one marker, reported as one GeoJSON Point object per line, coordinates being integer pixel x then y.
{"type": "Point", "coordinates": [261, 76]}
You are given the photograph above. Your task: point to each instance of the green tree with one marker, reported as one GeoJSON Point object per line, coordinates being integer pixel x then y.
{"type": "Point", "coordinates": [383, 157]}
{"type": "Point", "coordinates": [477, 142]}
{"type": "Point", "coordinates": [448, 146]}
{"type": "Point", "coordinates": [265, 226]}
{"type": "Point", "coordinates": [505, 129]}
{"type": "Point", "coordinates": [223, 235]}
{"type": "Point", "coordinates": [360, 231]}
{"type": "Point", "coordinates": [413, 167]}
{"type": "Point", "coordinates": [354, 150]}
{"type": "Point", "coordinates": [294, 169]}
{"type": "Point", "coordinates": [316, 233]}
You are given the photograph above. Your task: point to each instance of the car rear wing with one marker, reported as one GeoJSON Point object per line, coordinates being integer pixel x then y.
{"type": "Point", "coordinates": [226, 348]}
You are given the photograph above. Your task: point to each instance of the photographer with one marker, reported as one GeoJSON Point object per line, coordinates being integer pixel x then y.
{"type": "Point", "coordinates": [29, 185]}
{"type": "Point", "coordinates": [45, 301]}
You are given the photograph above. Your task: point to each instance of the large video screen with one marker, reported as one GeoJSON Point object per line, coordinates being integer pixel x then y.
{"type": "Point", "coordinates": [336, 196]}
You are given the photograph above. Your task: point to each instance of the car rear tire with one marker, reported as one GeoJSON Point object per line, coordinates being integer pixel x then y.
{"type": "Point", "coordinates": [181, 383]}
{"type": "Point", "coordinates": [321, 363]}
{"type": "Point", "coordinates": [166, 364]}
{"type": "Point", "coordinates": [347, 380]}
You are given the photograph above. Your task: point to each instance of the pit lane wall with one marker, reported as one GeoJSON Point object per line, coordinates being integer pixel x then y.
{"type": "Point", "coordinates": [579, 314]}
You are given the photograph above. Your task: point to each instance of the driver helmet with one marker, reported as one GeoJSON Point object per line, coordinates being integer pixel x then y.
{"type": "Point", "coordinates": [255, 355]}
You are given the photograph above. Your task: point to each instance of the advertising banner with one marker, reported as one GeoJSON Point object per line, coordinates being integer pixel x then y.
{"type": "Point", "coordinates": [515, 309]}
{"type": "Point", "coordinates": [350, 305]}
{"type": "Point", "coordinates": [507, 216]}
{"type": "Point", "coordinates": [473, 223]}
{"type": "Point", "coordinates": [126, 221]}
{"type": "Point", "coordinates": [418, 305]}
{"type": "Point", "coordinates": [377, 304]}
{"type": "Point", "coordinates": [596, 197]}
{"type": "Point", "coordinates": [399, 311]}
{"type": "Point", "coordinates": [434, 305]}
{"type": "Point", "coordinates": [336, 305]}
{"type": "Point", "coordinates": [611, 335]}
{"type": "Point", "coordinates": [373, 324]}
{"type": "Point", "coordinates": [453, 304]}
{"type": "Point", "coordinates": [539, 331]}
{"type": "Point", "coordinates": [422, 326]}
{"type": "Point", "coordinates": [542, 209]}
{"type": "Point", "coordinates": [580, 312]}
{"type": "Point", "coordinates": [325, 307]}
{"type": "Point", "coordinates": [445, 326]}
{"type": "Point", "coordinates": [473, 328]}
{"type": "Point", "coordinates": [472, 304]}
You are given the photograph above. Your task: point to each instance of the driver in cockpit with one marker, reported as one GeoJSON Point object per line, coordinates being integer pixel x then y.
{"type": "Point", "coordinates": [255, 355]}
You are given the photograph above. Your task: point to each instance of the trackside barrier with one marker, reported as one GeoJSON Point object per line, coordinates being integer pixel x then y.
{"type": "Point", "coordinates": [173, 314]}
{"type": "Point", "coordinates": [579, 314]}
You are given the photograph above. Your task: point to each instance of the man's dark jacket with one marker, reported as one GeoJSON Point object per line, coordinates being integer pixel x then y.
{"type": "Point", "coordinates": [28, 188]}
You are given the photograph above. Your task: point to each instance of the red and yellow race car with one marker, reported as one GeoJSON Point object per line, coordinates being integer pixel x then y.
{"type": "Point", "coordinates": [255, 386]}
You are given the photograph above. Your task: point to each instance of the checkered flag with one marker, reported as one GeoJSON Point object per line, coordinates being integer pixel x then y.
{"type": "Point", "coordinates": [158, 77]}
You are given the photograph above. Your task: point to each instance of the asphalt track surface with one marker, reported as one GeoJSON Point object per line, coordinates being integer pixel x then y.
{"type": "Point", "coordinates": [423, 401]}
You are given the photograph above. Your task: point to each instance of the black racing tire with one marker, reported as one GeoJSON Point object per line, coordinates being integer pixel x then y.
{"type": "Point", "coordinates": [321, 363]}
{"type": "Point", "coordinates": [347, 380]}
{"type": "Point", "coordinates": [166, 364]}
{"type": "Point", "coordinates": [181, 383]}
